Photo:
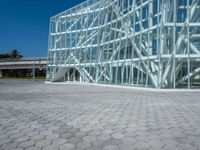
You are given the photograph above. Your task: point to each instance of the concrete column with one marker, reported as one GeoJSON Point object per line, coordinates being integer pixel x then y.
{"type": "Point", "coordinates": [1, 74]}
{"type": "Point", "coordinates": [33, 72]}
{"type": "Point", "coordinates": [74, 75]}
{"type": "Point", "coordinates": [80, 79]}
{"type": "Point", "coordinates": [68, 75]}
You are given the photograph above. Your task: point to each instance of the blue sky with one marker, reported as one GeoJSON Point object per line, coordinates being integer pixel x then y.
{"type": "Point", "coordinates": [24, 24]}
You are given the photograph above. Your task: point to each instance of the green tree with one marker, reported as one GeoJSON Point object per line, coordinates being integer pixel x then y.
{"type": "Point", "coordinates": [4, 56]}
{"type": "Point", "coordinates": [14, 54]}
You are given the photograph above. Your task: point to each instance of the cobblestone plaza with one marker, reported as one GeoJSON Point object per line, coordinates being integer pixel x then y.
{"type": "Point", "coordinates": [145, 43]}
{"type": "Point", "coordinates": [40, 116]}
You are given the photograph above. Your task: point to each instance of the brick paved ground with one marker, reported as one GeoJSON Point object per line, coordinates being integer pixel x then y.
{"type": "Point", "coordinates": [37, 116]}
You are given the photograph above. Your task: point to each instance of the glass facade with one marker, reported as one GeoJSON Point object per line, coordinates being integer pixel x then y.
{"type": "Point", "coordinates": [146, 43]}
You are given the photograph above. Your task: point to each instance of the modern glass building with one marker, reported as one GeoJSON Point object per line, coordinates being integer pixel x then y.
{"type": "Point", "coordinates": [146, 43]}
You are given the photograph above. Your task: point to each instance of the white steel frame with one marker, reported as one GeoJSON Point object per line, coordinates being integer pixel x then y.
{"type": "Point", "coordinates": [148, 43]}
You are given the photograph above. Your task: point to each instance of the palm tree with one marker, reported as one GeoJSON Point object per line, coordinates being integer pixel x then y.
{"type": "Point", "coordinates": [15, 54]}
{"type": "Point", "coordinates": [4, 56]}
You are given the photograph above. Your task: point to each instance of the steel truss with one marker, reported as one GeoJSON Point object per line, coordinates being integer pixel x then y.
{"type": "Point", "coordinates": [148, 43]}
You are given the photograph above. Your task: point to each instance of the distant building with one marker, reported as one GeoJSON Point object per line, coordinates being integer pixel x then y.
{"type": "Point", "coordinates": [145, 43]}
{"type": "Point", "coordinates": [23, 68]}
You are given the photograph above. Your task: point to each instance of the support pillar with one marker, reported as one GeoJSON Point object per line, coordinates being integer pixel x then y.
{"type": "Point", "coordinates": [74, 78]}
{"type": "Point", "coordinates": [33, 72]}
{"type": "Point", "coordinates": [80, 78]}
{"type": "Point", "coordinates": [1, 74]}
{"type": "Point", "coordinates": [68, 75]}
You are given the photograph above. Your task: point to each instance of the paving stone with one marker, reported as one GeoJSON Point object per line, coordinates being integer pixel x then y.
{"type": "Point", "coordinates": [33, 133]}
{"type": "Point", "coordinates": [43, 143]}
{"type": "Point", "coordinates": [155, 148]}
{"type": "Point", "coordinates": [170, 141]}
{"type": "Point", "coordinates": [27, 130]}
{"type": "Point", "coordinates": [47, 132]}
{"type": "Point", "coordinates": [171, 147]}
{"type": "Point", "coordinates": [126, 146]}
{"type": "Point", "coordinates": [74, 140]}
{"type": "Point", "coordinates": [72, 116]}
{"type": "Point", "coordinates": [52, 136]}
{"type": "Point", "coordinates": [128, 140]}
{"type": "Point", "coordinates": [156, 144]}
{"type": "Point", "coordinates": [51, 147]}
{"type": "Point", "coordinates": [98, 143]}
{"type": "Point", "coordinates": [5, 141]}
{"type": "Point", "coordinates": [94, 148]}
{"type": "Point", "coordinates": [11, 132]}
{"type": "Point", "coordinates": [73, 130]}
{"type": "Point", "coordinates": [117, 135]}
{"type": "Point", "coordinates": [34, 148]}
{"type": "Point", "coordinates": [94, 132]}
{"type": "Point", "coordinates": [110, 147]}
{"type": "Point", "coordinates": [142, 145]}
{"type": "Point", "coordinates": [67, 146]}
{"type": "Point", "coordinates": [178, 135]}
{"type": "Point", "coordinates": [9, 145]}
{"type": "Point", "coordinates": [66, 135]}
{"type": "Point", "coordinates": [86, 129]}
{"type": "Point", "coordinates": [22, 139]}
{"type": "Point", "coordinates": [89, 138]}
{"type": "Point", "coordinates": [26, 144]}
{"type": "Point", "coordinates": [53, 127]}
{"type": "Point", "coordinates": [84, 145]}
{"type": "Point", "coordinates": [59, 141]}
{"type": "Point", "coordinates": [103, 137]}
{"type": "Point", "coordinates": [80, 134]}
{"type": "Point", "coordinates": [113, 141]}
{"type": "Point", "coordinates": [142, 138]}
{"type": "Point", "coordinates": [3, 136]}
{"type": "Point", "coordinates": [17, 149]}
{"type": "Point", "coordinates": [107, 131]}
{"type": "Point", "coordinates": [59, 131]}
{"type": "Point", "coordinates": [38, 137]}
{"type": "Point", "coordinates": [17, 135]}
{"type": "Point", "coordinates": [186, 147]}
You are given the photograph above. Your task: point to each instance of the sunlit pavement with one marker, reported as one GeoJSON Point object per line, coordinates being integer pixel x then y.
{"type": "Point", "coordinates": [37, 116]}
